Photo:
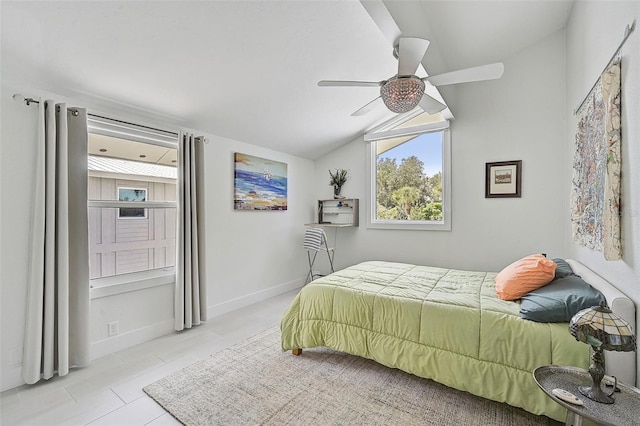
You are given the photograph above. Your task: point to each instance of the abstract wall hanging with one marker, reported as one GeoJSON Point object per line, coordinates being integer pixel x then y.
{"type": "Point", "coordinates": [595, 195]}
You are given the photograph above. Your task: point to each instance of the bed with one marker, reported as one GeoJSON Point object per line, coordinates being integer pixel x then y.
{"type": "Point", "coordinates": [445, 325]}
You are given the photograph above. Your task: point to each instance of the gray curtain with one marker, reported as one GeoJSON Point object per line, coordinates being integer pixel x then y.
{"type": "Point", "coordinates": [57, 330]}
{"type": "Point", "coordinates": [190, 291]}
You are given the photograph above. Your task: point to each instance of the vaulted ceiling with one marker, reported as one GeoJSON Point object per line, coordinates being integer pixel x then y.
{"type": "Point", "coordinates": [248, 70]}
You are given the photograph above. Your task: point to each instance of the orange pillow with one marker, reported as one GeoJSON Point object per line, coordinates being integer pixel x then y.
{"type": "Point", "coordinates": [524, 275]}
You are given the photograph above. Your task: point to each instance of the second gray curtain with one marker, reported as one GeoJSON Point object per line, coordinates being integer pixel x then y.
{"type": "Point", "coordinates": [190, 290]}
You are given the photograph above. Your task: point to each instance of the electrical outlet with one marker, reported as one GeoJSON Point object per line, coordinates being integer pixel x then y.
{"type": "Point", "coordinates": [16, 357]}
{"type": "Point", "coordinates": [113, 328]}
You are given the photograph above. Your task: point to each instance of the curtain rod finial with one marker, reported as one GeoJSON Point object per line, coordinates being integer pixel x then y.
{"type": "Point", "coordinates": [18, 97]}
{"type": "Point", "coordinates": [629, 29]}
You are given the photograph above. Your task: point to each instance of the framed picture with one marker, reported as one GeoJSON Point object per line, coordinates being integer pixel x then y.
{"type": "Point", "coordinates": [259, 184]}
{"type": "Point", "coordinates": [503, 179]}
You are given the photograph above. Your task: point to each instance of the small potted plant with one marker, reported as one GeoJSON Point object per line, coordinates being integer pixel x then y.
{"type": "Point", "coordinates": [337, 180]}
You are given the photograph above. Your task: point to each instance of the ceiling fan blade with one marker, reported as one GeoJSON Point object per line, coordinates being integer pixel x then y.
{"type": "Point", "coordinates": [368, 107]}
{"type": "Point", "coordinates": [431, 105]}
{"type": "Point", "coordinates": [339, 83]}
{"type": "Point", "coordinates": [481, 73]}
{"type": "Point", "coordinates": [411, 50]}
{"type": "Point", "coordinates": [383, 19]}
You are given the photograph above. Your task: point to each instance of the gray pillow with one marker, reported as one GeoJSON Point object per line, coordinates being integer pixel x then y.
{"type": "Point", "coordinates": [563, 269]}
{"type": "Point", "coordinates": [559, 300]}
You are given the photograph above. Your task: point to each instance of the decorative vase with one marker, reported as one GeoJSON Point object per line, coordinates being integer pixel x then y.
{"type": "Point", "coordinates": [336, 192]}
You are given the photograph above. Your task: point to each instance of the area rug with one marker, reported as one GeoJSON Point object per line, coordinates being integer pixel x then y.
{"type": "Point", "coordinates": [255, 383]}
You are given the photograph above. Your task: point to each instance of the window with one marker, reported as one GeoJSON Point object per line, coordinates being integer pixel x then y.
{"type": "Point", "coordinates": [132, 207]}
{"type": "Point", "coordinates": [135, 195]}
{"type": "Point", "coordinates": [410, 182]}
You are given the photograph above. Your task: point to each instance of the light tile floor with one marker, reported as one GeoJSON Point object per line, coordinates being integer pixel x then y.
{"type": "Point", "coordinates": [109, 392]}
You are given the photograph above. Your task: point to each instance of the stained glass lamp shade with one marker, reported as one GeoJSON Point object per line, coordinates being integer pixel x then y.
{"type": "Point", "coordinates": [599, 327]}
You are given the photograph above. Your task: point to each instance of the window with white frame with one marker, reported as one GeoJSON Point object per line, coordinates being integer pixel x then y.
{"type": "Point", "coordinates": [132, 194]}
{"type": "Point", "coordinates": [410, 176]}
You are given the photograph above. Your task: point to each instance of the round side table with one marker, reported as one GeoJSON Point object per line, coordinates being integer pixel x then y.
{"type": "Point", "coordinates": [624, 411]}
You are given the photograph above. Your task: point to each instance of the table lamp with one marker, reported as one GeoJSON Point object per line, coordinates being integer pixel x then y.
{"type": "Point", "coordinates": [599, 327]}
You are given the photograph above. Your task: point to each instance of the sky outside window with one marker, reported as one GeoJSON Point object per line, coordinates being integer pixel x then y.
{"type": "Point", "coordinates": [427, 147]}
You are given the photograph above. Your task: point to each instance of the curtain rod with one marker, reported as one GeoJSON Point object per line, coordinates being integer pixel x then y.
{"type": "Point", "coordinates": [627, 32]}
{"type": "Point", "coordinates": [29, 101]}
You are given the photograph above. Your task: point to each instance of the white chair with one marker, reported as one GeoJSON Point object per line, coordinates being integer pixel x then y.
{"type": "Point", "coordinates": [315, 240]}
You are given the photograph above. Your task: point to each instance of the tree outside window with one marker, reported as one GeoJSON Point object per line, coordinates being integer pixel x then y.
{"type": "Point", "coordinates": [409, 180]}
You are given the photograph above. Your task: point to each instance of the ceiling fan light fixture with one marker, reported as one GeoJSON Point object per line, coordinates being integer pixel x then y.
{"type": "Point", "coordinates": [402, 94]}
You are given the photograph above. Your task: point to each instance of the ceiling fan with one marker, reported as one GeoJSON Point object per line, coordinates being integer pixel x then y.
{"type": "Point", "coordinates": [404, 91]}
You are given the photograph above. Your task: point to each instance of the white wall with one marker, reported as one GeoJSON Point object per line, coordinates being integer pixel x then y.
{"type": "Point", "coordinates": [253, 255]}
{"type": "Point", "coordinates": [518, 117]}
{"type": "Point", "coordinates": [250, 256]}
{"type": "Point", "coordinates": [594, 31]}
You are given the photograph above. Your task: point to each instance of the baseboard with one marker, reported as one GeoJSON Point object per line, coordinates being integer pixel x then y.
{"type": "Point", "coordinates": [249, 299]}
{"type": "Point", "coordinates": [11, 378]}
{"type": "Point", "coordinates": [126, 340]}
{"type": "Point", "coordinates": [122, 341]}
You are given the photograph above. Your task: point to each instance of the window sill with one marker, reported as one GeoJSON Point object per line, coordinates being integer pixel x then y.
{"type": "Point", "coordinates": [410, 225]}
{"type": "Point", "coordinates": [110, 286]}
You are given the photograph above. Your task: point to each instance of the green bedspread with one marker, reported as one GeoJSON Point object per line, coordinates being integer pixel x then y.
{"type": "Point", "coordinates": [441, 324]}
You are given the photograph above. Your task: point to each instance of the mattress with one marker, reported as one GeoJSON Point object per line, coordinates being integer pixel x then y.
{"type": "Point", "coordinates": [441, 324]}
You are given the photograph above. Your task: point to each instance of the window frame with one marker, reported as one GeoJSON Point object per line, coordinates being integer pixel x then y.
{"type": "Point", "coordinates": [132, 281]}
{"type": "Point", "coordinates": [413, 225]}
